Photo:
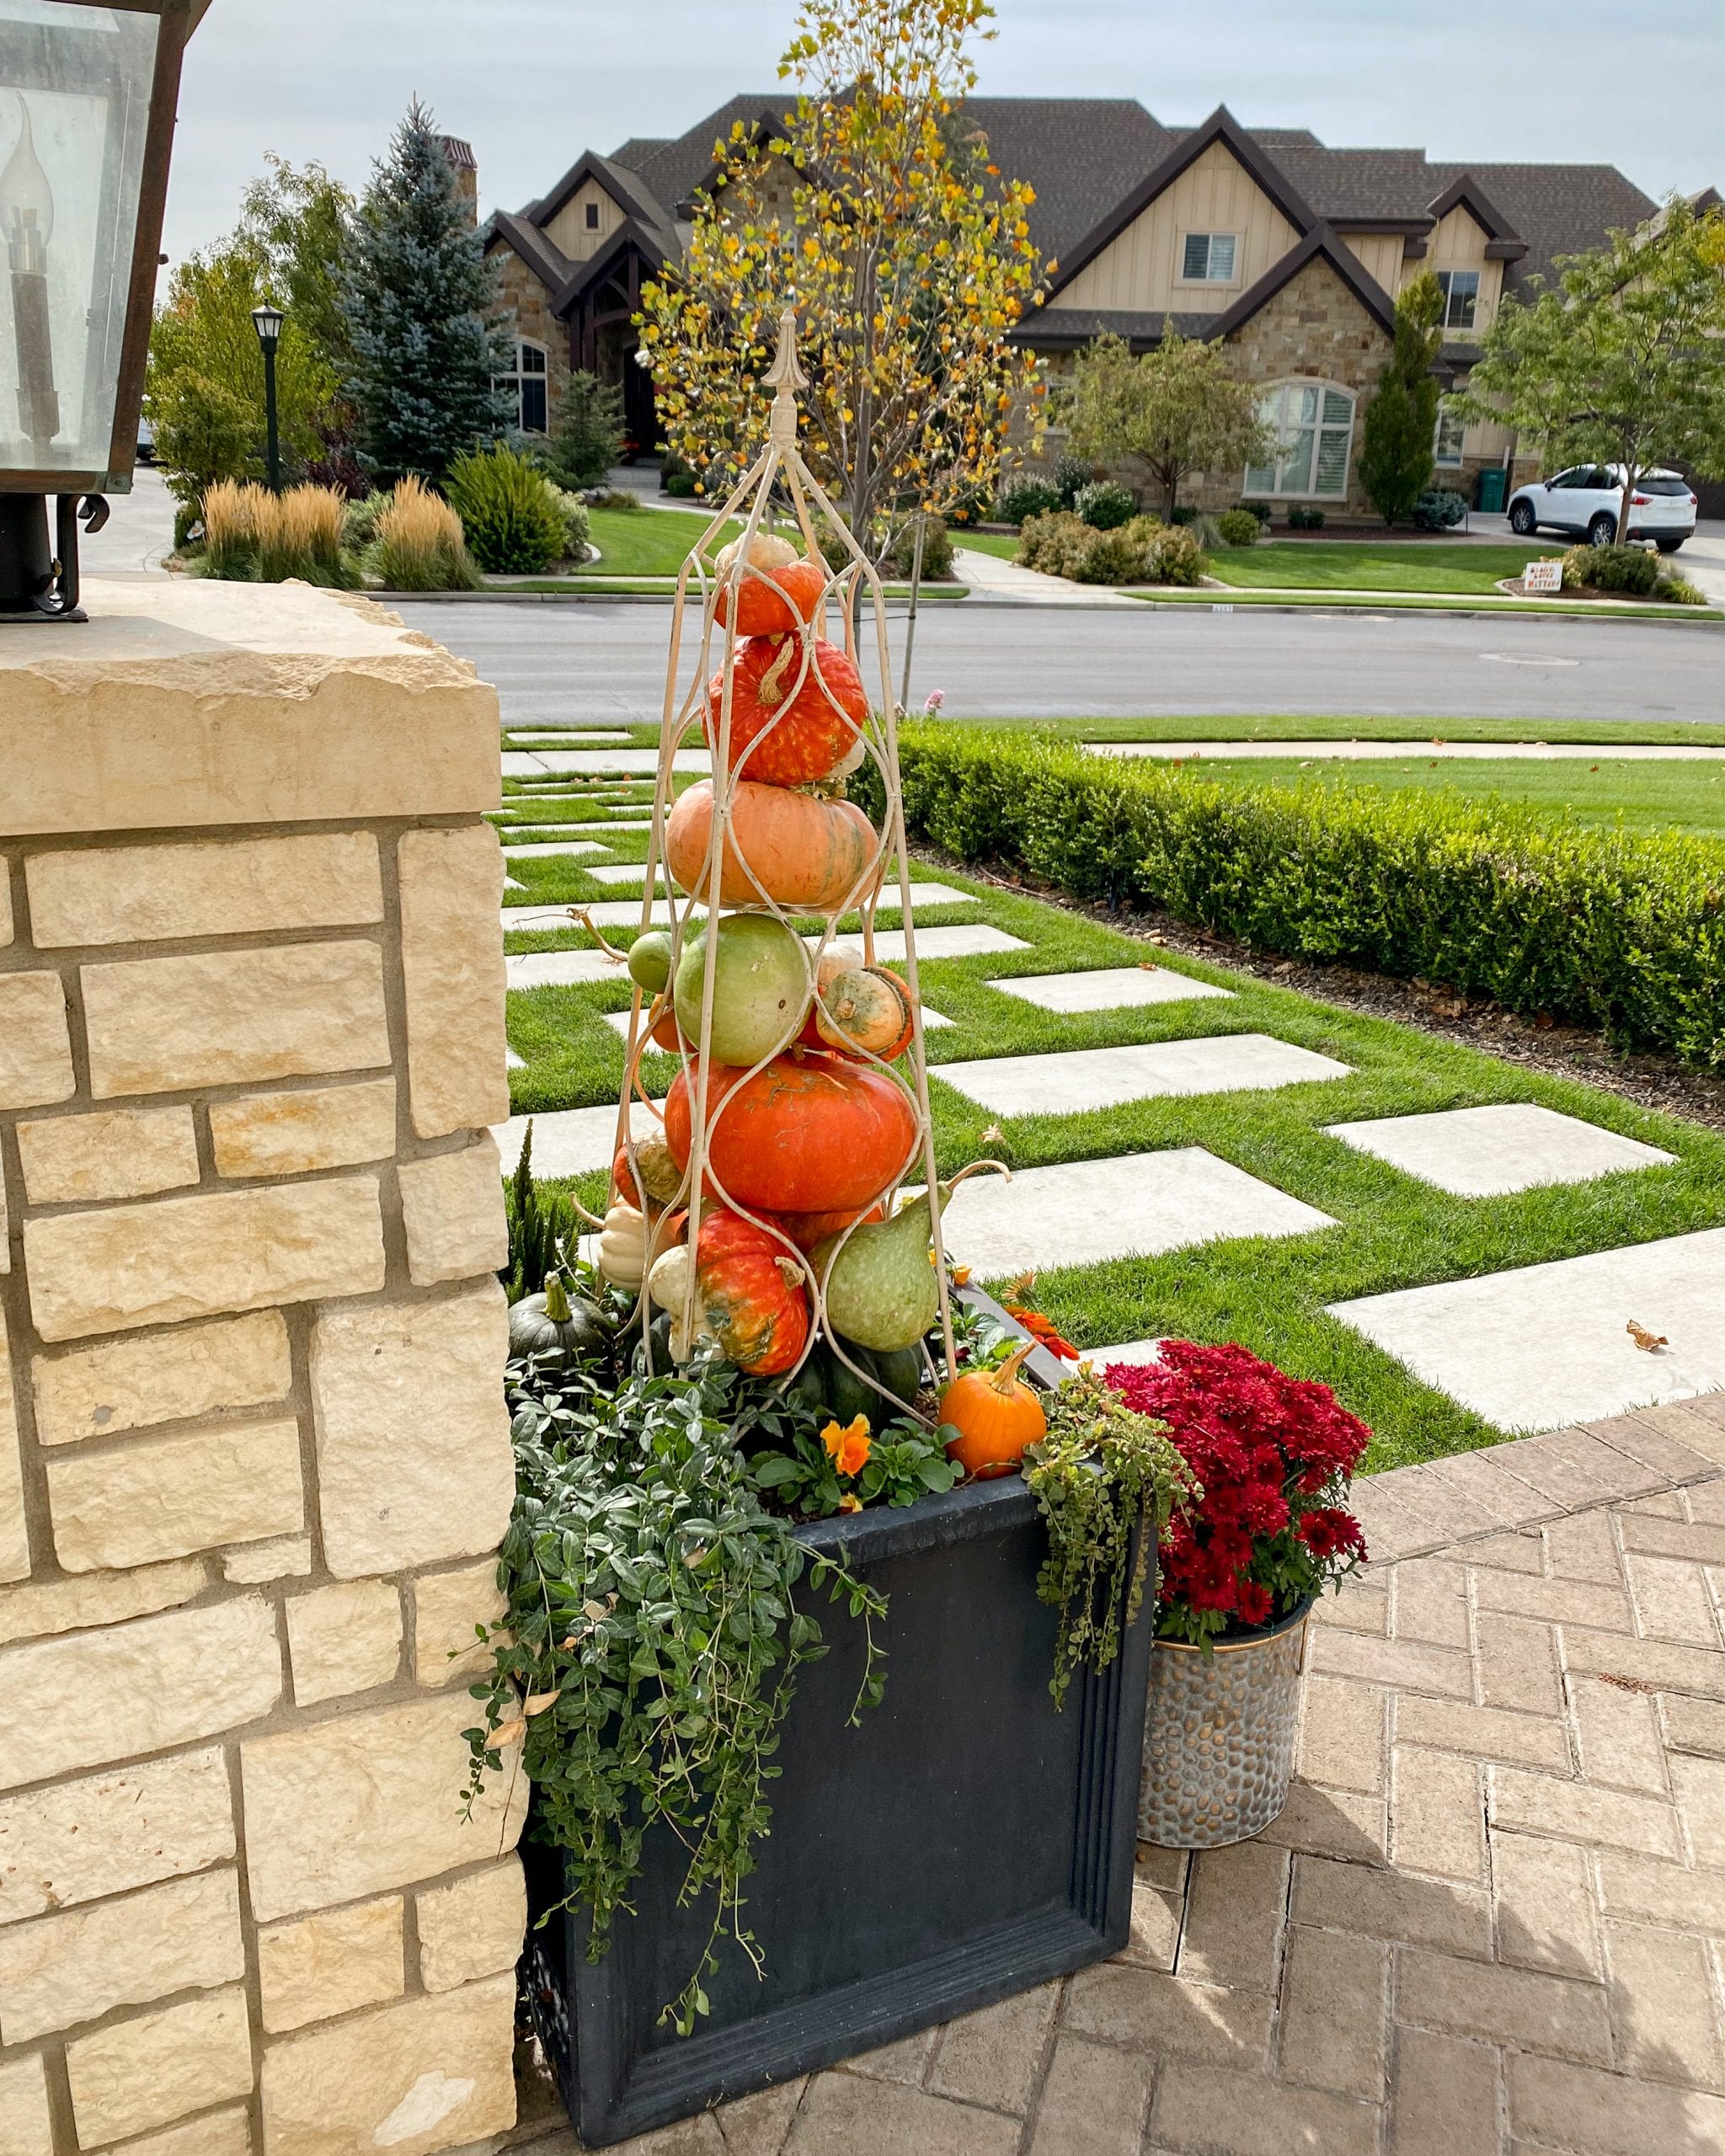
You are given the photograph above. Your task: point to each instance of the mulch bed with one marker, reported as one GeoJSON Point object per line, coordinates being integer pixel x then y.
{"type": "Point", "coordinates": [1649, 1080]}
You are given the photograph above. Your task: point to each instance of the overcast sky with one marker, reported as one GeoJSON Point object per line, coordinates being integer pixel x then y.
{"type": "Point", "coordinates": [532, 84]}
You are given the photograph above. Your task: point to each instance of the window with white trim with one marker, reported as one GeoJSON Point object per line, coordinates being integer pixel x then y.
{"type": "Point", "coordinates": [529, 388]}
{"type": "Point", "coordinates": [1451, 434]}
{"type": "Point", "coordinates": [1208, 259]}
{"type": "Point", "coordinates": [1313, 425]}
{"type": "Point", "coordinates": [1460, 290]}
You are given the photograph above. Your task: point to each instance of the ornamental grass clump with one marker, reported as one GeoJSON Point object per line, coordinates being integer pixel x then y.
{"type": "Point", "coordinates": [1272, 1456]}
{"type": "Point", "coordinates": [252, 535]}
{"type": "Point", "coordinates": [420, 545]}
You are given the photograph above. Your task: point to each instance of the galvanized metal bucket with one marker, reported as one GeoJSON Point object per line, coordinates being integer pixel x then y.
{"type": "Point", "coordinates": [1220, 1735]}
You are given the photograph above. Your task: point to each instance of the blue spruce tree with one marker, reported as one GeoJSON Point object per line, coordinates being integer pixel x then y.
{"type": "Point", "coordinates": [419, 296]}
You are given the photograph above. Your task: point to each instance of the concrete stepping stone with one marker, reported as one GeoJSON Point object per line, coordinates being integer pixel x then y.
{"type": "Point", "coordinates": [511, 884]}
{"type": "Point", "coordinates": [561, 969]}
{"type": "Point", "coordinates": [549, 849]}
{"type": "Point", "coordinates": [1135, 1352]}
{"type": "Point", "coordinates": [1067, 1083]}
{"type": "Point", "coordinates": [625, 913]}
{"type": "Point", "coordinates": [512, 1061]}
{"type": "Point", "coordinates": [567, 736]}
{"type": "Point", "coordinates": [571, 763]}
{"type": "Point", "coordinates": [570, 1142]}
{"type": "Point", "coordinates": [1108, 988]}
{"type": "Point", "coordinates": [626, 872]}
{"type": "Point", "coordinates": [1546, 1346]}
{"type": "Point", "coordinates": [1488, 1151]}
{"type": "Point", "coordinates": [1134, 1205]}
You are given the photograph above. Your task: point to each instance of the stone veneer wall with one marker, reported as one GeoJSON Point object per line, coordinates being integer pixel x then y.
{"type": "Point", "coordinates": [253, 1455]}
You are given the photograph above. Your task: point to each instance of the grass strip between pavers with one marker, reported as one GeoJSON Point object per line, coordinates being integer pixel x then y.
{"type": "Point", "coordinates": [1392, 1231]}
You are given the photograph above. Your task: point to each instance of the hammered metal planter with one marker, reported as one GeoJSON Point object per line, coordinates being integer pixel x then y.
{"type": "Point", "coordinates": [1219, 1735]}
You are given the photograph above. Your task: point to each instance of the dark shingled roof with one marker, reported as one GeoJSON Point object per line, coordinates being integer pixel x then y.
{"type": "Point", "coordinates": [1080, 154]}
{"type": "Point", "coordinates": [1346, 184]}
{"type": "Point", "coordinates": [674, 169]}
{"type": "Point", "coordinates": [1556, 209]}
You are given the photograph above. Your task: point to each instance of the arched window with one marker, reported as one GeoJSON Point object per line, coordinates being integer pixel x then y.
{"type": "Point", "coordinates": [528, 385]}
{"type": "Point", "coordinates": [1313, 425]}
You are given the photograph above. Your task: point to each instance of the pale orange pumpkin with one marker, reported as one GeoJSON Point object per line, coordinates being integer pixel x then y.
{"type": "Point", "coordinates": [866, 1010]}
{"type": "Point", "coordinates": [807, 854]}
{"type": "Point", "coordinates": [997, 1416]}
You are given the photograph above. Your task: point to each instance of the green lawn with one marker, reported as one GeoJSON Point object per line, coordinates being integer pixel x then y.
{"type": "Point", "coordinates": [1392, 1230]}
{"type": "Point", "coordinates": [1373, 565]}
{"type": "Point", "coordinates": [1005, 544]}
{"type": "Point", "coordinates": [1651, 796]}
{"type": "Point", "coordinates": [646, 541]}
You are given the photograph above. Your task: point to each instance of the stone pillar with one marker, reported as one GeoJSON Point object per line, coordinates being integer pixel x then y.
{"type": "Point", "coordinates": [253, 1455]}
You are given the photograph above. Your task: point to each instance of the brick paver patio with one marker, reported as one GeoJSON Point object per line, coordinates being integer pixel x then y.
{"type": "Point", "coordinates": [1491, 1918]}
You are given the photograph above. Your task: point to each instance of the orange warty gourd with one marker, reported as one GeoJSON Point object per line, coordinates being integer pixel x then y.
{"type": "Point", "coordinates": [806, 853]}
{"type": "Point", "coordinates": [785, 594]}
{"type": "Point", "coordinates": [750, 1293]}
{"type": "Point", "coordinates": [996, 1414]}
{"type": "Point", "coordinates": [809, 1133]}
{"type": "Point", "coordinates": [660, 1176]}
{"type": "Point", "coordinates": [816, 727]}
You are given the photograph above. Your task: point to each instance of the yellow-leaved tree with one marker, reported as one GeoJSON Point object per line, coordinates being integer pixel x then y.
{"type": "Point", "coordinates": [875, 212]}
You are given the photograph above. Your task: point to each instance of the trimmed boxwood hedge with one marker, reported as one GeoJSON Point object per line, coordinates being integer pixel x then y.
{"type": "Point", "coordinates": [1618, 931]}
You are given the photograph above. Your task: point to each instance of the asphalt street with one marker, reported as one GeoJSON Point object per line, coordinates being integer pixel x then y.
{"type": "Point", "coordinates": [592, 663]}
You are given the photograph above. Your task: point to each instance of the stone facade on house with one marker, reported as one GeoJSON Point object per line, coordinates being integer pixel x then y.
{"type": "Point", "coordinates": [254, 1460]}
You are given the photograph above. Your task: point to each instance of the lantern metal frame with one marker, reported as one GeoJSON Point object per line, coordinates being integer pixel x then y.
{"type": "Point", "coordinates": [178, 19]}
{"type": "Point", "coordinates": [852, 589]}
{"type": "Point", "coordinates": [81, 490]}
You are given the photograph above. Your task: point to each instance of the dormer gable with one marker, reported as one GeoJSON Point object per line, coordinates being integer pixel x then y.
{"type": "Point", "coordinates": [1205, 225]}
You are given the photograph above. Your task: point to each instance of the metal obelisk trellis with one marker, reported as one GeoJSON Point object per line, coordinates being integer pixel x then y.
{"type": "Point", "coordinates": [852, 591]}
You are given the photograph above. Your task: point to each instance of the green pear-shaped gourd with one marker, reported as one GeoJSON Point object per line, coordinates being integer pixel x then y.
{"type": "Point", "coordinates": [880, 1287]}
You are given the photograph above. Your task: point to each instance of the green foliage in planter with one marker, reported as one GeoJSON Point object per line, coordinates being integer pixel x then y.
{"type": "Point", "coordinates": [649, 1651]}
{"type": "Point", "coordinates": [815, 1479]}
{"type": "Point", "coordinates": [1607, 929]}
{"type": "Point", "coordinates": [508, 513]}
{"type": "Point", "coordinates": [1108, 1482]}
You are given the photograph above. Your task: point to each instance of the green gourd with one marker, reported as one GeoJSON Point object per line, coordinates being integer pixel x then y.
{"type": "Point", "coordinates": [555, 1322]}
{"type": "Point", "coordinates": [889, 1384]}
{"type": "Point", "coordinates": [880, 1285]}
{"type": "Point", "coordinates": [649, 960]}
{"type": "Point", "coordinates": [761, 990]}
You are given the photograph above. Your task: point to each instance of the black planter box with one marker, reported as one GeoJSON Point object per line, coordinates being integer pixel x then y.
{"type": "Point", "coordinates": [965, 1842]}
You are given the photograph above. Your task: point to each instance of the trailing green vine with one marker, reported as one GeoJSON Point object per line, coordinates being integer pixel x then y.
{"type": "Point", "coordinates": [651, 1643]}
{"type": "Point", "coordinates": [1103, 1476]}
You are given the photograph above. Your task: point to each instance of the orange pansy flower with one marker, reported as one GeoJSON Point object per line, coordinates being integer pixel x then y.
{"type": "Point", "coordinates": [849, 1447]}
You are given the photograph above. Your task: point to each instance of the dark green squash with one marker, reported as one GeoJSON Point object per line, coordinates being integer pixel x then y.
{"type": "Point", "coordinates": [827, 1387]}
{"type": "Point", "coordinates": [553, 1322]}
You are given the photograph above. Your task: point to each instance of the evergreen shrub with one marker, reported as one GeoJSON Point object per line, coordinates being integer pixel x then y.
{"type": "Point", "coordinates": [1239, 527]}
{"type": "Point", "coordinates": [1022, 498]}
{"type": "Point", "coordinates": [1105, 505]}
{"type": "Point", "coordinates": [1614, 930]}
{"type": "Point", "coordinates": [509, 511]}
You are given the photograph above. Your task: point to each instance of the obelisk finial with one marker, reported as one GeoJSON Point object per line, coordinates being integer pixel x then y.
{"type": "Point", "coordinates": [786, 376]}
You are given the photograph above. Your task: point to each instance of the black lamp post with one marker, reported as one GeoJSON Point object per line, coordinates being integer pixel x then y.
{"type": "Point", "coordinates": [267, 321]}
{"type": "Point", "coordinates": [87, 105]}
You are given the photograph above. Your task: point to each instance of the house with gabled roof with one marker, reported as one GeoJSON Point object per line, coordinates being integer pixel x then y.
{"type": "Point", "coordinates": [1290, 252]}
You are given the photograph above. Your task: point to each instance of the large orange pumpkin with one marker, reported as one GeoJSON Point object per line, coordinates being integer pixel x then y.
{"type": "Point", "coordinates": [808, 854]}
{"type": "Point", "coordinates": [790, 734]}
{"type": "Point", "coordinates": [785, 592]}
{"type": "Point", "coordinates": [810, 1132]}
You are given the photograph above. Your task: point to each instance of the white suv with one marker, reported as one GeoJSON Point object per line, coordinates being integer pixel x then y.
{"type": "Point", "coordinates": [1587, 500]}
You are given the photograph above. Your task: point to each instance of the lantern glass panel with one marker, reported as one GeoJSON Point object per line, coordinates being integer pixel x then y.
{"type": "Point", "coordinates": [75, 85]}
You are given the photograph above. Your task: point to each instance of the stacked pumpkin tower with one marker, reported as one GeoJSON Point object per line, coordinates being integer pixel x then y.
{"type": "Point", "coordinates": [761, 1213]}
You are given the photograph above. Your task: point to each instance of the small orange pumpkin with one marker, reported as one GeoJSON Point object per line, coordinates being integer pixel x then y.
{"type": "Point", "coordinates": [750, 1293]}
{"type": "Point", "coordinates": [996, 1414]}
{"type": "Point", "coordinates": [805, 1230]}
{"type": "Point", "coordinates": [784, 591]}
{"type": "Point", "coordinates": [789, 725]}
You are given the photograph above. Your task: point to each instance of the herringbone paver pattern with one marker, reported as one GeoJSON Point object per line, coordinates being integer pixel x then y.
{"type": "Point", "coordinates": [1490, 1920]}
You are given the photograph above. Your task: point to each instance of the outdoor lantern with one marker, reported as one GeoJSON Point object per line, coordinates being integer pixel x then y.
{"type": "Point", "coordinates": [87, 106]}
